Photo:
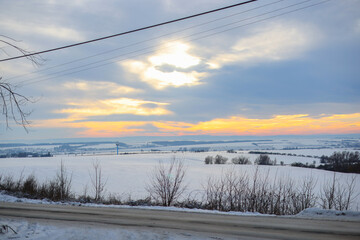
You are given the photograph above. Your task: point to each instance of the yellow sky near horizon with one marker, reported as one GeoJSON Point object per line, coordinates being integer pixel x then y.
{"type": "Point", "coordinates": [300, 124]}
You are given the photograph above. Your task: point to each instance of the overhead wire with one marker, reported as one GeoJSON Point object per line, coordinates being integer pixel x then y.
{"type": "Point", "coordinates": [106, 63]}
{"type": "Point", "coordinates": [131, 31]}
{"type": "Point", "coordinates": [202, 37]}
{"type": "Point", "coordinates": [140, 42]}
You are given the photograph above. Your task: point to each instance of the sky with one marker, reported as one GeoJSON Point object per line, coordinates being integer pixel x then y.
{"type": "Point", "coordinates": [266, 68]}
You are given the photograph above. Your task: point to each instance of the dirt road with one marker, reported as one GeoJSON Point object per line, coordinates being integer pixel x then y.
{"type": "Point", "coordinates": [241, 227]}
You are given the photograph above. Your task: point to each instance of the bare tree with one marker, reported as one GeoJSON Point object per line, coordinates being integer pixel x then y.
{"type": "Point", "coordinates": [167, 183]}
{"type": "Point", "coordinates": [327, 196]}
{"type": "Point", "coordinates": [64, 181]}
{"type": "Point", "coordinates": [97, 181]}
{"type": "Point", "coordinates": [344, 194]}
{"type": "Point", "coordinates": [11, 101]}
{"type": "Point", "coordinates": [306, 194]}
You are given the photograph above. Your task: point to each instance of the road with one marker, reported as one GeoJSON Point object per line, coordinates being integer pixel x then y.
{"type": "Point", "coordinates": [239, 227]}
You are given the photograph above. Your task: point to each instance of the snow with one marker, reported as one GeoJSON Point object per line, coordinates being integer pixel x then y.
{"type": "Point", "coordinates": [37, 229]}
{"type": "Point", "coordinates": [317, 213]}
{"type": "Point", "coordinates": [127, 175]}
{"type": "Point", "coordinates": [310, 213]}
{"type": "Point", "coordinates": [31, 230]}
{"type": "Point", "coordinates": [7, 198]}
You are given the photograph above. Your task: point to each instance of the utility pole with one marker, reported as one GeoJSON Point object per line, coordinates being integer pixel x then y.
{"type": "Point", "coordinates": [117, 148]}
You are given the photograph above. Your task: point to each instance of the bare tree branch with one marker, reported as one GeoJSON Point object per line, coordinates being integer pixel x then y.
{"type": "Point", "coordinates": [12, 102]}
{"type": "Point", "coordinates": [167, 183]}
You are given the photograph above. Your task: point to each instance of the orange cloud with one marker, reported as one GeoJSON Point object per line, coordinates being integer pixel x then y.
{"type": "Point", "coordinates": [301, 124]}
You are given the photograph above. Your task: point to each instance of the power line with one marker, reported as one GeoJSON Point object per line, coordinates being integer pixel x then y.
{"type": "Point", "coordinates": [131, 31]}
{"type": "Point", "coordinates": [146, 48]}
{"type": "Point", "coordinates": [140, 42]}
{"type": "Point", "coordinates": [151, 51]}
{"type": "Point", "coordinates": [202, 37]}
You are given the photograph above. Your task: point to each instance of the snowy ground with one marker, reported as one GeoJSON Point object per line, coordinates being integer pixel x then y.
{"type": "Point", "coordinates": [7, 198]}
{"type": "Point", "coordinates": [310, 213]}
{"type": "Point", "coordinates": [31, 230]}
{"type": "Point", "coordinates": [128, 175]}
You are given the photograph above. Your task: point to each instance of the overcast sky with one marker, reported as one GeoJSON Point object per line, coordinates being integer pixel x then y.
{"type": "Point", "coordinates": [240, 71]}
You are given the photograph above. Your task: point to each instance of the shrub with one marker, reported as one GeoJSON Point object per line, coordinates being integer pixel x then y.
{"type": "Point", "coordinates": [30, 186]}
{"type": "Point", "coordinates": [264, 159]}
{"type": "Point", "coordinates": [336, 196]}
{"type": "Point", "coordinates": [167, 183]}
{"type": "Point", "coordinates": [241, 160]}
{"type": "Point", "coordinates": [57, 189]}
{"type": "Point", "coordinates": [238, 192]}
{"type": "Point", "coordinates": [209, 160]}
{"type": "Point", "coordinates": [220, 159]}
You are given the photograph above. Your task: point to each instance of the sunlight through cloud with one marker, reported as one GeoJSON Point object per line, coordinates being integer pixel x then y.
{"type": "Point", "coordinates": [173, 56]}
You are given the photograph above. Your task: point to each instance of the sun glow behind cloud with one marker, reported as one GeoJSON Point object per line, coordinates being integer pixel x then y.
{"type": "Point", "coordinates": [255, 80]}
{"type": "Point", "coordinates": [173, 55]}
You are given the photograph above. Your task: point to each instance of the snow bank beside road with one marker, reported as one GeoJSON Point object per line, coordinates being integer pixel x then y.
{"type": "Point", "coordinates": [310, 213]}
{"type": "Point", "coordinates": [318, 213]}
{"type": "Point", "coordinates": [31, 230]}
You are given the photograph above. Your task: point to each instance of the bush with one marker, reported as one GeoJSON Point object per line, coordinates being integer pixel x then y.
{"type": "Point", "coordinates": [241, 160]}
{"type": "Point", "coordinates": [239, 192]}
{"type": "Point", "coordinates": [30, 186]}
{"type": "Point", "coordinates": [167, 183]}
{"type": "Point", "coordinates": [336, 196]}
{"type": "Point", "coordinates": [209, 160]}
{"type": "Point", "coordinates": [220, 159]}
{"type": "Point", "coordinates": [57, 189]}
{"type": "Point", "coordinates": [264, 159]}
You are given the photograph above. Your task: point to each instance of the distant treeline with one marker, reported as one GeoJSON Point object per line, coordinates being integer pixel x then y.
{"type": "Point", "coordinates": [283, 154]}
{"type": "Point", "coordinates": [26, 154]}
{"type": "Point", "coordinates": [347, 162]}
{"type": "Point", "coordinates": [185, 143]}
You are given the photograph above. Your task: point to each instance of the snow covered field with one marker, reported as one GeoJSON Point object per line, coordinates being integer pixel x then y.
{"type": "Point", "coordinates": [127, 175]}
